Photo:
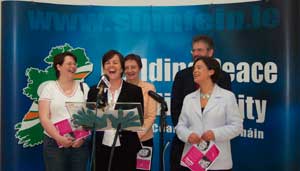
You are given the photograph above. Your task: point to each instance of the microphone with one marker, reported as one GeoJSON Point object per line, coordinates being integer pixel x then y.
{"type": "Point", "coordinates": [156, 96]}
{"type": "Point", "coordinates": [159, 99]}
{"type": "Point", "coordinates": [102, 84]}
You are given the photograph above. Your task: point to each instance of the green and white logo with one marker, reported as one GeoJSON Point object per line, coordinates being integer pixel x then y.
{"type": "Point", "coordinates": [29, 131]}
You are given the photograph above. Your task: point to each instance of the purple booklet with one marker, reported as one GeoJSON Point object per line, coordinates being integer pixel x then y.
{"type": "Point", "coordinates": [200, 157]}
{"type": "Point", "coordinates": [66, 128]}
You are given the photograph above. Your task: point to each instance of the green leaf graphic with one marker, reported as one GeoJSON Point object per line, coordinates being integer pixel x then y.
{"type": "Point", "coordinates": [30, 137]}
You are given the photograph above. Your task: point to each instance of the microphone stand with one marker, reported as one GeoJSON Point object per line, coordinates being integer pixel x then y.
{"type": "Point", "coordinates": [114, 146]}
{"type": "Point", "coordinates": [93, 164]}
{"type": "Point", "coordinates": [163, 109]}
{"type": "Point", "coordinates": [93, 159]}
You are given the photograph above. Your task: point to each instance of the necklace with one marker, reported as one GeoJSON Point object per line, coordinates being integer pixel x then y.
{"type": "Point", "coordinates": [205, 96]}
{"type": "Point", "coordinates": [67, 90]}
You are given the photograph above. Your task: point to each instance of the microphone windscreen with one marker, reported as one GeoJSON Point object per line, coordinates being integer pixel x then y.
{"type": "Point", "coordinates": [104, 81]}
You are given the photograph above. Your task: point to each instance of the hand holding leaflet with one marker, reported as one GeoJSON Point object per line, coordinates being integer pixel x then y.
{"type": "Point", "coordinates": [70, 132]}
{"type": "Point", "coordinates": [200, 157]}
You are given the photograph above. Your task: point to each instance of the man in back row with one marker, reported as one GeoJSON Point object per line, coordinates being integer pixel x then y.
{"type": "Point", "coordinates": [184, 84]}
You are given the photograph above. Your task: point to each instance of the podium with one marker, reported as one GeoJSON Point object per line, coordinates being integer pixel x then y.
{"type": "Point", "coordinates": [119, 116]}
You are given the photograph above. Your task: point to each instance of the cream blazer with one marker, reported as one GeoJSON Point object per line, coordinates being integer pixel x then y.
{"type": "Point", "coordinates": [150, 109]}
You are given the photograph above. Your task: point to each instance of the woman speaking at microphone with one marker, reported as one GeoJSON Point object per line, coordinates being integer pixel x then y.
{"type": "Point", "coordinates": [128, 144]}
{"type": "Point", "coordinates": [133, 66]}
{"type": "Point", "coordinates": [210, 113]}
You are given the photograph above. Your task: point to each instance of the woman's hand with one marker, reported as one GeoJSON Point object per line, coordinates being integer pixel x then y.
{"type": "Point", "coordinates": [194, 138]}
{"type": "Point", "coordinates": [65, 141]}
{"type": "Point", "coordinates": [78, 143]}
{"type": "Point", "coordinates": [208, 135]}
{"type": "Point", "coordinates": [141, 134]}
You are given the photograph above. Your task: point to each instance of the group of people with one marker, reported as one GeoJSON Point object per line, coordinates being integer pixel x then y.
{"type": "Point", "coordinates": [202, 108]}
{"type": "Point", "coordinates": [74, 154]}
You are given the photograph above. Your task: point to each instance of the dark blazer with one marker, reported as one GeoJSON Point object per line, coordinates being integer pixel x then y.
{"type": "Point", "coordinates": [183, 85]}
{"type": "Point", "coordinates": [125, 155]}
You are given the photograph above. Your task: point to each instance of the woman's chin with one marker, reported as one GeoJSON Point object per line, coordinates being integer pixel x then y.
{"type": "Point", "coordinates": [131, 78]}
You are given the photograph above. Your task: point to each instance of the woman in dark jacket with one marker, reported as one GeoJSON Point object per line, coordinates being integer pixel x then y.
{"type": "Point", "coordinates": [120, 91]}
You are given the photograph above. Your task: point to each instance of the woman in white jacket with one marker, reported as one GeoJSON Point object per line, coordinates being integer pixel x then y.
{"type": "Point", "coordinates": [210, 114]}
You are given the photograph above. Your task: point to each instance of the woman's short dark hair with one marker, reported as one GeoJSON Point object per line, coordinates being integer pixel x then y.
{"type": "Point", "coordinates": [211, 64]}
{"type": "Point", "coordinates": [110, 54]}
{"type": "Point", "coordinates": [134, 57]}
{"type": "Point", "coordinates": [59, 60]}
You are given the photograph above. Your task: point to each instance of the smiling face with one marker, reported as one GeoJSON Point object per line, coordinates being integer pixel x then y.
{"type": "Point", "coordinates": [113, 68]}
{"type": "Point", "coordinates": [200, 48]}
{"type": "Point", "coordinates": [201, 73]}
{"type": "Point", "coordinates": [67, 68]}
{"type": "Point", "coordinates": [132, 70]}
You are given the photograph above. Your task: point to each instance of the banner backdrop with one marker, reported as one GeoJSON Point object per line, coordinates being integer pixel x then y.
{"type": "Point", "coordinates": [255, 43]}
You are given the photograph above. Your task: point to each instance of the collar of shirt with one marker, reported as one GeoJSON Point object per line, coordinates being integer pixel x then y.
{"type": "Point", "coordinates": [112, 97]}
